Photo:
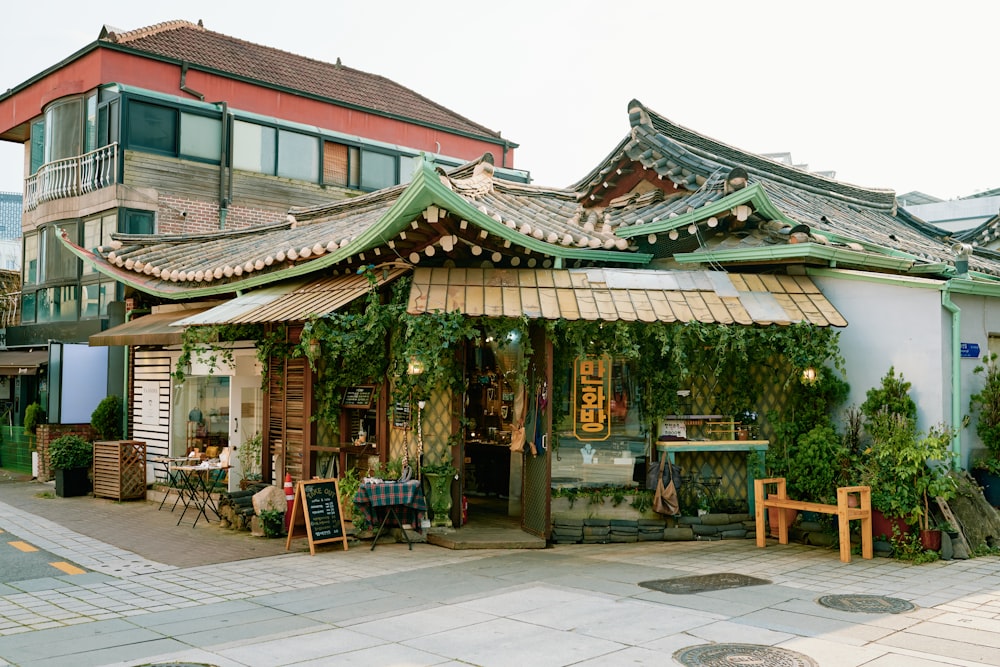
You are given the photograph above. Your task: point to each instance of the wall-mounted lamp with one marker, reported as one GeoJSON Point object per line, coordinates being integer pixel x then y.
{"type": "Point", "coordinates": [415, 366]}
{"type": "Point", "coordinates": [314, 348]}
{"type": "Point", "coordinates": [809, 375]}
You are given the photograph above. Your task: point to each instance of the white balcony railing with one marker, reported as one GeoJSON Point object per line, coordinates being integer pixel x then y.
{"type": "Point", "coordinates": [72, 177]}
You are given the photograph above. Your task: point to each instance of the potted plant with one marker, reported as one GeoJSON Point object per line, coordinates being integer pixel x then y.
{"type": "Point", "coordinates": [987, 403]}
{"type": "Point", "coordinates": [890, 426]}
{"type": "Point", "coordinates": [106, 420]}
{"type": "Point", "coordinates": [931, 460]}
{"type": "Point", "coordinates": [70, 456]}
{"type": "Point", "coordinates": [439, 477]}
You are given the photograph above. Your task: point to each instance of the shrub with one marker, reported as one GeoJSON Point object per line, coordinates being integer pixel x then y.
{"type": "Point", "coordinates": [70, 451]}
{"type": "Point", "coordinates": [106, 420]}
{"type": "Point", "coordinates": [33, 416]}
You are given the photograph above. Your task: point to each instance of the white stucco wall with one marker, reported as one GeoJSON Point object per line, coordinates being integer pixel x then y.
{"type": "Point", "coordinates": [892, 325]}
{"type": "Point", "coordinates": [902, 323]}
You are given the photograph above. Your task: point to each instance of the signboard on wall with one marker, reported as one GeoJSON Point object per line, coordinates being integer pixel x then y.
{"type": "Point", "coordinates": [592, 397]}
{"type": "Point", "coordinates": [970, 350]}
{"type": "Point", "coordinates": [149, 394]}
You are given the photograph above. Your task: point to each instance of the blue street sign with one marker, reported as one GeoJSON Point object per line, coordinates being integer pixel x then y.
{"type": "Point", "coordinates": [970, 350]}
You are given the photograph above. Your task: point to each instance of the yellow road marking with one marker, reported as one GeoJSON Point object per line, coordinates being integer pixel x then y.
{"type": "Point", "coordinates": [67, 567]}
{"type": "Point", "coordinates": [23, 546]}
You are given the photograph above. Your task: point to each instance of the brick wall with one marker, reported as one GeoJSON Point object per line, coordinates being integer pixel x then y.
{"type": "Point", "coordinates": [181, 215]}
{"type": "Point", "coordinates": [47, 433]}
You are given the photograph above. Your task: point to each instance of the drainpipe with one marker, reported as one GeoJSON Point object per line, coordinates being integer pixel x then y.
{"type": "Point", "coordinates": [224, 168]}
{"type": "Point", "coordinates": [183, 86]}
{"type": "Point", "coordinates": [956, 366]}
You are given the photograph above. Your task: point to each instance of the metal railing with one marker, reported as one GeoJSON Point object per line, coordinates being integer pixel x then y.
{"type": "Point", "coordinates": [72, 177]}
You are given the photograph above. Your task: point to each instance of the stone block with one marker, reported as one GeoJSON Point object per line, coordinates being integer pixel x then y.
{"type": "Point", "coordinates": [678, 534]}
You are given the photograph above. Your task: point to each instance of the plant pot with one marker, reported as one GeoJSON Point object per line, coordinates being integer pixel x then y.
{"type": "Point", "coordinates": [72, 482]}
{"type": "Point", "coordinates": [439, 499]}
{"type": "Point", "coordinates": [882, 525]}
{"type": "Point", "coordinates": [772, 519]}
{"type": "Point", "coordinates": [930, 540]}
{"type": "Point", "coordinates": [990, 484]}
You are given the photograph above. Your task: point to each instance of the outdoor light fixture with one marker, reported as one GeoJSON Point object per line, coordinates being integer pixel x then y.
{"type": "Point", "coordinates": [809, 375]}
{"type": "Point", "coordinates": [415, 366]}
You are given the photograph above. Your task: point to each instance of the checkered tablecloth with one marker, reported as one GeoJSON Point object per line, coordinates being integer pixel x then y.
{"type": "Point", "coordinates": [407, 498]}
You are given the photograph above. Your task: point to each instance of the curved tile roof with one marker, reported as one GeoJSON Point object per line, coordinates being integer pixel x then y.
{"type": "Point", "coordinates": [183, 41]}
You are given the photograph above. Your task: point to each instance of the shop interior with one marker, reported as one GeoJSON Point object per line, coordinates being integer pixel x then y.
{"type": "Point", "coordinates": [490, 413]}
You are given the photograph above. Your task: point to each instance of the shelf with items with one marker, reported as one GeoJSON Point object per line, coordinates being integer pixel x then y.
{"type": "Point", "coordinates": [707, 428]}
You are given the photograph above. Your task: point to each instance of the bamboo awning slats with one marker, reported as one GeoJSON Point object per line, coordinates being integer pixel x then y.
{"type": "Point", "coordinates": [623, 294]}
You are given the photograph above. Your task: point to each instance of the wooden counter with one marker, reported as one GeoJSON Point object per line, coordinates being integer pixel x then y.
{"type": "Point", "coordinates": [671, 447]}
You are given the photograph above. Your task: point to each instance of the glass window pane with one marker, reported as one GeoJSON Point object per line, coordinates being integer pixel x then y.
{"type": "Point", "coordinates": [63, 129]}
{"type": "Point", "coordinates": [30, 262]}
{"type": "Point", "coordinates": [27, 306]}
{"type": "Point", "coordinates": [407, 165]}
{"type": "Point", "coordinates": [152, 128]}
{"type": "Point", "coordinates": [354, 165]}
{"type": "Point", "coordinates": [37, 145]}
{"type": "Point", "coordinates": [253, 147]}
{"type": "Point", "coordinates": [90, 124]}
{"type": "Point", "coordinates": [298, 156]}
{"type": "Point", "coordinates": [201, 136]}
{"type": "Point", "coordinates": [95, 300]}
{"type": "Point", "coordinates": [57, 304]}
{"type": "Point", "coordinates": [58, 261]}
{"type": "Point", "coordinates": [139, 222]}
{"type": "Point", "coordinates": [378, 170]}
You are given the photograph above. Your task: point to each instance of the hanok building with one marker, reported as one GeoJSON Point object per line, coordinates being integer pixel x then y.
{"type": "Point", "coordinates": [672, 228]}
{"type": "Point", "coordinates": [173, 130]}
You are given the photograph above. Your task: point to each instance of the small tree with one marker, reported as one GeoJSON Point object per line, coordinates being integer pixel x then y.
{"type": "Point", "coordinates": [106, 420]}
{"type": "Point", "coordinates": [33, 416]}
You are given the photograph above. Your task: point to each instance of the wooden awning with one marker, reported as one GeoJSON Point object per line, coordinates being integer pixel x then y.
{"type": "Point", "coordinates": [294, 302]}
{"type": "Point", "coordinates": [156, 328]}
{"type": "Point", "coordinates": [16, 362]}
{"type": "Point", "coordinates": [623, 294]}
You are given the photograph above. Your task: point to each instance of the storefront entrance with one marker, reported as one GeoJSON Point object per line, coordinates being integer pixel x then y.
{"type": "Point", "coordinates": [506, 426]}
{"type": "Point", "coordinates": [216, 410]}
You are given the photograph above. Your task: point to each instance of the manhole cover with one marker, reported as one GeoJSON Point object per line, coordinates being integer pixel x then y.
{"type": "Point", "coordinates": [702, 582]}
{"type": "Point", "coordinates": [726, 655]}
{"type": "Point", "coordinates": [868, 604]}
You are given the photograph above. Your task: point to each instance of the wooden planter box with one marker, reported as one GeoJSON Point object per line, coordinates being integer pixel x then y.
{"type": "Point", "coordinates": [120, 469]}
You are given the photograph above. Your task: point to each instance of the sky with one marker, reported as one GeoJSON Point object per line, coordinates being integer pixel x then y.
{"type": "Point", "coordinates": [887, 94]}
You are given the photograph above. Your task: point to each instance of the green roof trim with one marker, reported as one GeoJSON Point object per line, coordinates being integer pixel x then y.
{"type": "Point", "coordinates": [754, 194]}
{"type": "Point", "coordinates": [833, 256]}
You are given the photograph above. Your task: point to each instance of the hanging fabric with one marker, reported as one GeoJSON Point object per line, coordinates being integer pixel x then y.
{"type": "Point", "coordinates": [541, 404]}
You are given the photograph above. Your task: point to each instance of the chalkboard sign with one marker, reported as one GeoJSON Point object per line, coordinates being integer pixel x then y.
{"type": "Point", "coordinates": [401, 414]}
{"type": "Point", "coordinates": [316, 514]}
{"type": "Point", "coordinates": [360, 396]}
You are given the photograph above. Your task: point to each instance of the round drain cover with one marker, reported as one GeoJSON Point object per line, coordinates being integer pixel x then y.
{"type": "Point", "coordinates": [702, 583]}
{"type": "Point", "coordinates": [867, 604]}
{"type": "Point", "coordinates": [727, 655]}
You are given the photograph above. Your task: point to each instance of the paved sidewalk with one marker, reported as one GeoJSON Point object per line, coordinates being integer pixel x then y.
{"type": "Point", "coordinates": [568, 605]}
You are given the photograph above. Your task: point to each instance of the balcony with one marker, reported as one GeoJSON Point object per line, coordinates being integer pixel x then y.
{"type": "Point", "coordinates": [72, 177]}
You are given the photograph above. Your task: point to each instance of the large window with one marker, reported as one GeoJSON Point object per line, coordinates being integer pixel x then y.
{"type": "Point", "coordinates": [201, 136]}
{"type": "Point", "coordinates": [30, 262]}
{"type": "Point", "coordinates": [152, 128]}
{"type": "Point", "coordinates": [58, 304]}
{"type": "Point", "coordinates": [58, 263]}
{"type": "Point", "coordinates": [378, 170]}
{"type": "Point", "coordinates": [298, 156]}
{"type": "Point", "coordinates": [64, 129]}
{"type": "Point", "coordinates": [253, 147]}
{"type": "Point", "coordinates": [267, 150]}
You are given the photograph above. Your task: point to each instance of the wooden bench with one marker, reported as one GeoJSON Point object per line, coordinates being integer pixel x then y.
{"type": "Point", "coordinates": [780, 500]}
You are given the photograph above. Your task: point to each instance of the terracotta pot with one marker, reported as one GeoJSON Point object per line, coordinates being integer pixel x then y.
{"type": "Point", "coordinates": [772, 519]}
{"type": "Point", "coordinates": [882, 525]}
{"type": "Point", "coordinates": [930, 540]}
